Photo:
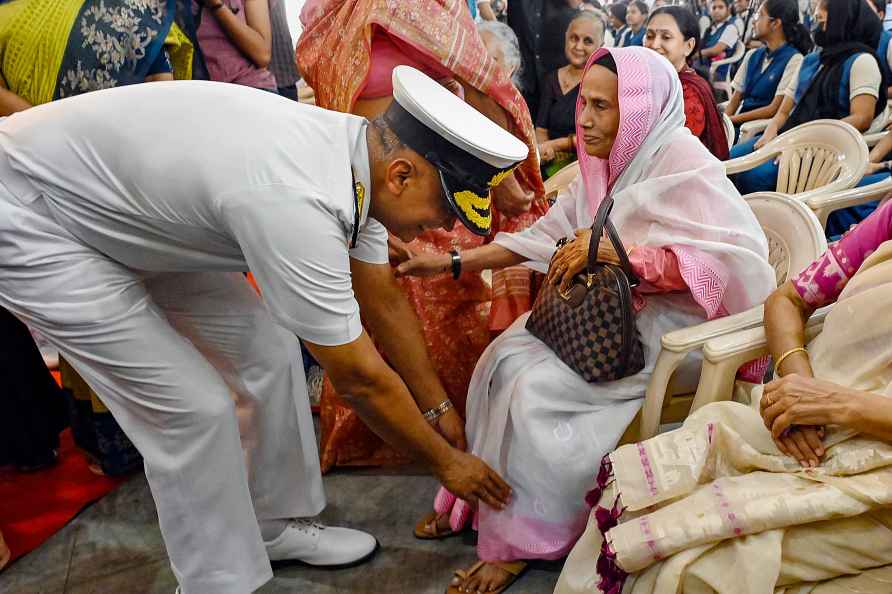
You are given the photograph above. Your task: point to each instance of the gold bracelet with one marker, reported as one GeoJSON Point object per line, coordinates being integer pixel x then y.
{"type": "Point", "coordinates": [787, 354]}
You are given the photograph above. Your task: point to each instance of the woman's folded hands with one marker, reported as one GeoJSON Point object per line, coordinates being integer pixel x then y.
{"type": "Point", "coordinates": [795, 409]}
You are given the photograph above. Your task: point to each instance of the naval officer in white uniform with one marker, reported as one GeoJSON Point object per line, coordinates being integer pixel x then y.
{"type": "Point", "coordinates": [126, 219]}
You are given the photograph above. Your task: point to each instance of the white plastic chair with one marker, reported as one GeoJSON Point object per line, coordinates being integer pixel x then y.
{"type": "Point", "coordinates": [704, 22]}
{"type": "Point", "coordinates": [729, 129]}
{"type": "Point", "coordinates": [795, 239]}
{"type": "Point", "coordinates": [562, 178]}
{"type": "Point", "coordinates": [824, 204]}
{"type": "Point", "coordinates": [822, 156]}
{"type": "Point", "coordinates": [724, 84]}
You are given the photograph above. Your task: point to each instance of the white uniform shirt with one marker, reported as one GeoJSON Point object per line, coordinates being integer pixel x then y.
{"type": "Point", "coordinates": [180, 176]}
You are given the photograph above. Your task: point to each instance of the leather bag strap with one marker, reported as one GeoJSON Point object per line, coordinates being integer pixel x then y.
{"type": "Point", "coordinates": [598, 226]}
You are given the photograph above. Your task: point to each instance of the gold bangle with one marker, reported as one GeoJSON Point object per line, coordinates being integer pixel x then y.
{"type": "Point", "coordinates": [787, 354]}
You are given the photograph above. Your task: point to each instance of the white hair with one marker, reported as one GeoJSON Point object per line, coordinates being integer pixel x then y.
{"type": "Point", "coordinates": [510, 46]}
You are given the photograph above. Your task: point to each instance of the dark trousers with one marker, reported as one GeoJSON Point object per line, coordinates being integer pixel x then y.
{"type": "Point", "coordinates": [290, 92]}
{"type": "Point", "coordinates": [32, 408]}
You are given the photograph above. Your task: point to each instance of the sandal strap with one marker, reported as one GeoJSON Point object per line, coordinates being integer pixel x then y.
{"type": "Point", "coordinates": [512, 567]}
{"type": "Point", "coordinates": [462, 574]}
{"type": "Point", "coordinates": [432, 526]}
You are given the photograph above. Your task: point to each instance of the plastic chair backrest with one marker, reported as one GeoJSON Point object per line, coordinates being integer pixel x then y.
{"type": "Point", "coordinates": [816, 157]}
{"type": "Point", "coordinates": [795, 237]}
{"type": "Point", "coordinates": [818, 153]}
{"type": "Point", "coordinates": [560, 180]}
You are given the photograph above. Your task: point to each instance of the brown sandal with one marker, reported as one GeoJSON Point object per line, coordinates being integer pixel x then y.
{"type": "Point", "coordinates": [514, 568]}
{"type": "Point", "coordinates": [427, 528]}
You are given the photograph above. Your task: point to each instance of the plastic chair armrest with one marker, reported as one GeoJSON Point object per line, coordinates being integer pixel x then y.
{"type": "Point", "coordinates": [825, 203]}
{"type": "Point", "coordinates": [874, 137]}
{"type": "Point", "coordinates": [748, 344]}
{"type": "Point", "coordinates": [688, 339]}
{"type": "Point", "coordinates": [746, 162]}
{"type": "Point", "coordinates": [753, 127]}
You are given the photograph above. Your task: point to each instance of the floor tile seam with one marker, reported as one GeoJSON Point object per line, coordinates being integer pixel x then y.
{"type": "Point", "coordinates": [70, 560]}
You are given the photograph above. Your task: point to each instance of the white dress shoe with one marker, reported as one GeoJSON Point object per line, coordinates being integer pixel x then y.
{"type": "Point", "coordinates": [314, 544]}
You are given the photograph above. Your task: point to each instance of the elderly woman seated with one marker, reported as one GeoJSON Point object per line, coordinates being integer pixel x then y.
{"type": "Point", "coordinates": [799, 484]}
{"type": "Point", "coordinates": [528, 414]}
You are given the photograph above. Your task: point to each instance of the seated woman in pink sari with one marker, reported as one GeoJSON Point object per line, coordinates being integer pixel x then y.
{"type": "Point", "coordinates": [347, 53]}
{"type": "Point", "coordinates": [693, 240]}
{"type": "Point", "coordinates": [798, 484]}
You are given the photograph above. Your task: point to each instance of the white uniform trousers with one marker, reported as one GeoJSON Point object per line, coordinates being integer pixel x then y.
{"type": "Point", "coordinates": [166, 352]}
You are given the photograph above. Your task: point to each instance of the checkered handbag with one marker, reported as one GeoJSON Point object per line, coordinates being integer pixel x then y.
{"type": "Point", "coordinates": [591, 326]}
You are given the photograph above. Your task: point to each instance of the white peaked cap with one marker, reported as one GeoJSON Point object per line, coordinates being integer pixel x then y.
{"type": "Point", "coordinates": [450, 117]}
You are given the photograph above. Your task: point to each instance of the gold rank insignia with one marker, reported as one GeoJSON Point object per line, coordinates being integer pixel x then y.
{"type": "Point", "coordinates": [476, 209]}
{"type": "Point", "coordinates": [359, 194]}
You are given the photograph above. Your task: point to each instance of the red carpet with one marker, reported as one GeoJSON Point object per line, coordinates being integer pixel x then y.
{"type": "Point", "coordinates": [35, 506]}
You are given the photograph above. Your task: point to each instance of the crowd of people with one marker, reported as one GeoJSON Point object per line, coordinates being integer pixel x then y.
{"type": "Point", "coordinates": [385, 201]}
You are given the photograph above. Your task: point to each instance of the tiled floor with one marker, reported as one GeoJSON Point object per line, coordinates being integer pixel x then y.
{"type": "Point", "coordinates": [114, 547]}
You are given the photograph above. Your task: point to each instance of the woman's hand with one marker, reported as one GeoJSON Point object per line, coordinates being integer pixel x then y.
{"type": "Point", "coordinates": [572, 259]}
{"type": "Point", "coordinates": [398, 250]}
{"type": "Point", "coordinates": [425, 265]}
{"type": "Point", "coordinates": [546, 151]}
{"type": "Point", "coordinates": [877, 167]}
{"type": "Point", "coordinates": [510, 199]}
{"type": "Point", "coordinates": [797, 404]}
{"type": "Point", "coordinates": [767, 136]}
{"type": "Point", "coordinates": [804, 444]}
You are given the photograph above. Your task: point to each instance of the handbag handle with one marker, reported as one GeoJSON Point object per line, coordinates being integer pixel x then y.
{"type": "Point", "coordinates": [602, 221]}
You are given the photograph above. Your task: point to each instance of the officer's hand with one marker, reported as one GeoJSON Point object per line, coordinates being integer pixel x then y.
{"type": "Point", "coordinates": [469, 478]}
{"type": "Point", "coordinates": [425, 265]}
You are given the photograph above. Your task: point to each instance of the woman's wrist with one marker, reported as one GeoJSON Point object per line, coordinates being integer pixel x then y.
{"type": "Point", "coordinates": [862, 411]}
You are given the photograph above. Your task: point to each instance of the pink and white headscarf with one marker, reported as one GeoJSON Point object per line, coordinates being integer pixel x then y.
{"type": "Point", "coordinates": [651, 107]}
{"type": "Point", "coordinates": [668, 191]}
